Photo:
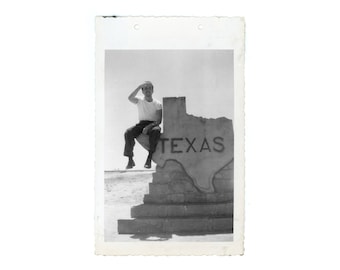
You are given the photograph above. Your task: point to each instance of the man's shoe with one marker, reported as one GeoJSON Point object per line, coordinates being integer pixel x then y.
{"type": "Point", "coordinates": [147, 164]}
{"type": "Point", "coordinates": [130, 165]}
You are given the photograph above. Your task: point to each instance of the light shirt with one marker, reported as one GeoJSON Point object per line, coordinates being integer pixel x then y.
{"type": "Point", "coordinates": [147, 110]}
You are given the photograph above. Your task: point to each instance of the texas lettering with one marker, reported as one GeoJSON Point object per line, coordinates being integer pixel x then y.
{"type": "Point", "coordinates": [191, 145]}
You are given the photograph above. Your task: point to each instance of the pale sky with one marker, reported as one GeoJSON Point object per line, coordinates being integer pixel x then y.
{"type": "Point", "coordinates": [204, 77]}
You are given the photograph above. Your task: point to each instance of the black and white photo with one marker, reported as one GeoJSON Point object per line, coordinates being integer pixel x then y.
{"type": "Point", "coordinates": [167, 157]}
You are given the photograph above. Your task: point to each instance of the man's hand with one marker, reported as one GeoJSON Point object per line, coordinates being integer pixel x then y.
{"type": "Point", "coordinates": [148, 127]}
{"type": "Point", "coordinates": [132, 97]}
{"type": "Point", "coordinates": [146, 130]}
{"type": "Point", "coordinates": [142, 85]}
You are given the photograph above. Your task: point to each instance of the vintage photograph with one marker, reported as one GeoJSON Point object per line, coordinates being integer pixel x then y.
{"type": "Point", "coordinates": [169, 145]}
{"type": "Point", "coordinates": [169, 136]}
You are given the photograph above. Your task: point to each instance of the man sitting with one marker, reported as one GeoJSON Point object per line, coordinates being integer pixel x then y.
{"type": "Point", "coordinates": [150, 117]}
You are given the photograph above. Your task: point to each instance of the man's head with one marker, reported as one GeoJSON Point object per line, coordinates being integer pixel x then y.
{"type": "Point", "coordinates": [147, 89]}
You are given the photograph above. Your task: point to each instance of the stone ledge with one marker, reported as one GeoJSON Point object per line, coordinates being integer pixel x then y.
{"type": "Point", "coordinates": [188, 198]}
{"type": "Point", "coordinates": [175, 225]}
{"type": "Point", "coordinates": [182, 210]}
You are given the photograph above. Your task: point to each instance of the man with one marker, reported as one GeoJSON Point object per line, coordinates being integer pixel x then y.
{"type": "Point", "coordinates": [150, 116]}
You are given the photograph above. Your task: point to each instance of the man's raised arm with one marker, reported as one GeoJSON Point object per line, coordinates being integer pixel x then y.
{"type": "Point", "coordinates": [132, 97]}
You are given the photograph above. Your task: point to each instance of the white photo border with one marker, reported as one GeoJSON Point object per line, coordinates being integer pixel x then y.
{"type": "Point", "coordinates": [129, 33]}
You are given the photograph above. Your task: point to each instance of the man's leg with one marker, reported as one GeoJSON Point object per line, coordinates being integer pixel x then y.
{"type": "Point", "coordinates": [154, 135]}
{"type": "Point", "coordinates": [130, 135]}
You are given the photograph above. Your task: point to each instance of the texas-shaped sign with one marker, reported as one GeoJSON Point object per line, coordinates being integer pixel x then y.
{"type": "Point", "coordinates": [202, 146]}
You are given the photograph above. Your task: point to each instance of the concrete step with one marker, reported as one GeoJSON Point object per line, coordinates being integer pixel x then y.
{"type": "Point", "coordinates": [175, 225]}
{"type": "Point", "coordinates": [181, 198]}
{"type": "Point", "coordinates": [175, 187]}
{"type": "Point", "coordinates": [182, 210]}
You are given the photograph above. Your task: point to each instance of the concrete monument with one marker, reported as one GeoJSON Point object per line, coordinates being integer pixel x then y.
{"type": "Point", "coordinates": [192, 188]}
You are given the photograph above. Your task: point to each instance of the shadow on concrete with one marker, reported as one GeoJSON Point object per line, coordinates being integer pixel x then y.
{"type": "Point", "coordinates": [152, 237]}
{"type": "Point", "coordinates": [165, 237]}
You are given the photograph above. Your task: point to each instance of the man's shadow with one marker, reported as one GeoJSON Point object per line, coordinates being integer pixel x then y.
{"type": "Point", "coordinates": [152, 237]}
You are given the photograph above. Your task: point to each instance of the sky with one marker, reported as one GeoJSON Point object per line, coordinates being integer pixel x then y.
{"type": "Point", "coordinates": [204, 77]}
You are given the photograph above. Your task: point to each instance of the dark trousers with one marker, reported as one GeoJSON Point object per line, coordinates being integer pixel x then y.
{"type": "Point", "coordinates": [135, 131]}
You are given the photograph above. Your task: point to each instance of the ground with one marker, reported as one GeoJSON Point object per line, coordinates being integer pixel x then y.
{"type": "Point", "coordinates": [124, 189]}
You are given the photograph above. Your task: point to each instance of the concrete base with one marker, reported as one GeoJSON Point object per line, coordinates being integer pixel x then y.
{"type": "Point", "coordinates": [175, 205]}
{"type": "Point", "coordinates": [182, 210]}
{"type": "Point", "coordinates": [176, 225]}
{"type": "Point", "coordinates": [188, 198]}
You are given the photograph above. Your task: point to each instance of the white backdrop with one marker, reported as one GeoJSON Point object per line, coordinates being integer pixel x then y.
{"type": "Point", "coordinates": [47, 138]}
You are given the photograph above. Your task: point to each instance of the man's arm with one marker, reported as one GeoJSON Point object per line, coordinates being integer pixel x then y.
{"type": "Point", "coordinates": [132, 97]}
{"type": "Point", "coordinates": [155, 123]}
